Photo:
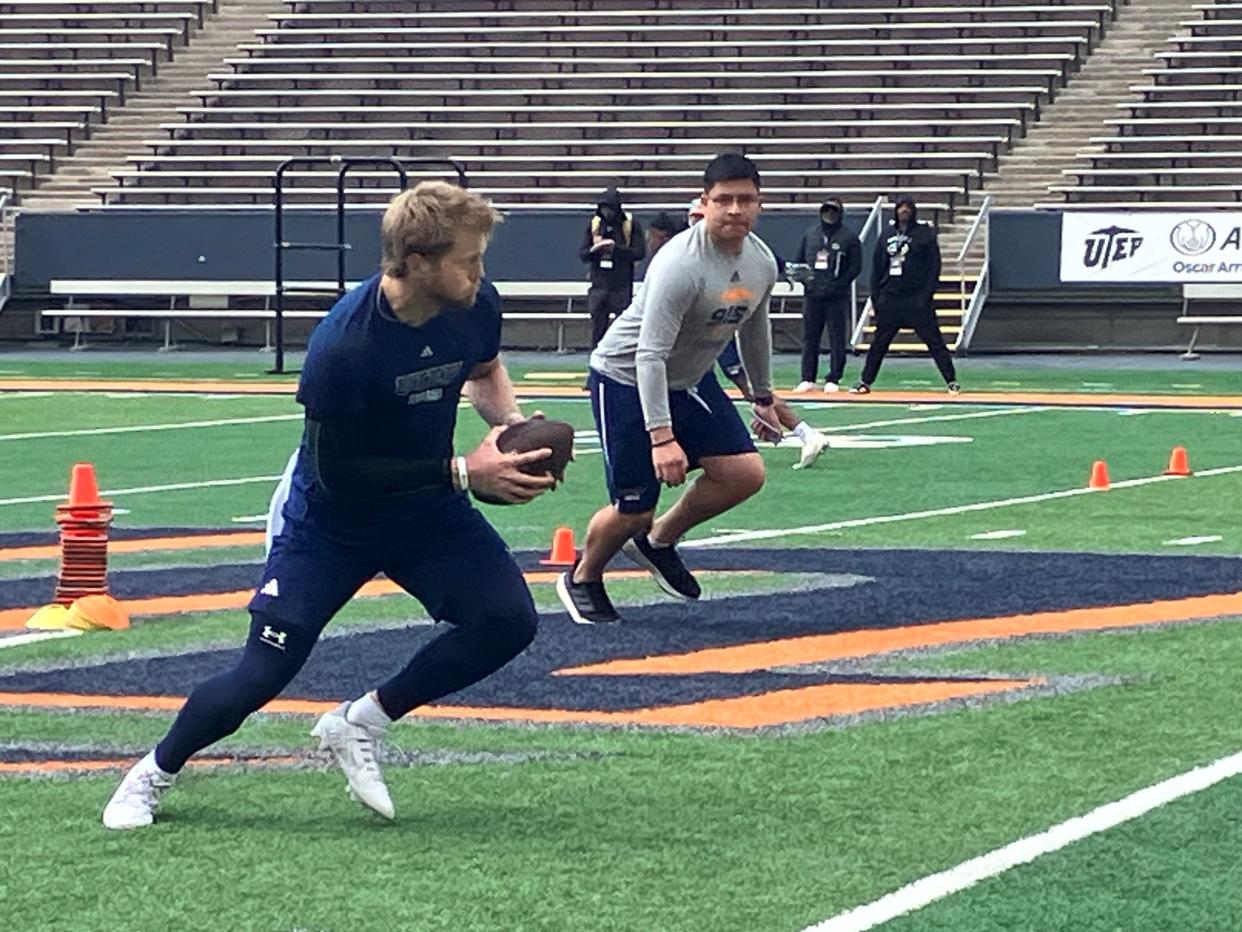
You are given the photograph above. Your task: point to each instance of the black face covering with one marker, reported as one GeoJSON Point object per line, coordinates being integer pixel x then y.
{"type": "Point", "coordinates": [914, 211]}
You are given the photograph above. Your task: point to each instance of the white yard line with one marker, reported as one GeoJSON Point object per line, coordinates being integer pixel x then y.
{"type": "Point", "coordinates": [143, 428]}
{"type": "Point", "coordinates": [937, 886]}
{"type": "Point", "coordinates": [1193, 541]}
{"type": "Point", "coordinates": [35, 637]}
{"type": "Point", "coordinates": [991, 412]}
{"type": "Point", "coordinates": [998, 535]}
{"type": "Point", "coordinates": [146, 489]}
{"type": "Point", "coordinates": [775, 533]}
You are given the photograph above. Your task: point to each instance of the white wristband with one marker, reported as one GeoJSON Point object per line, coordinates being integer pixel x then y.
{"type": "Point", "coordinates": [463, 477]}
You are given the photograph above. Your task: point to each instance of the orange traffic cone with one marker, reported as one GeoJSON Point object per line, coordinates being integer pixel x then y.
{"type": "Point", "coordinates": [563, 551]}
{"type": "Point", "coordinates": [93, 612]}
{"type": "Point", "coordinates": [1179, 464]}
{"type": "Point", "coordinates": [83, 489]}
{"type": "Point", "coordinates": [1099, 475]}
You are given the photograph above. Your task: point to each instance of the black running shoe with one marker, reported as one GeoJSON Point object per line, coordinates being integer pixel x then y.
{"type": "Point", "coordinates": [665, 565]}
{"type": "Point", "coordinates": [861, 388]}
{"type": "Point", "coordinates": [586, 602]}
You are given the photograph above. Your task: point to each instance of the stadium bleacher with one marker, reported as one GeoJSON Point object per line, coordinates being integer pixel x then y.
{"type": "Point", "coordinates": [66, 66]}
{"type": "Point", "coordinates": [1179, 144]}
{"type": "Point", "coordinates": [546, 103]}
{"type": "Point", "coordinates": [863, 97]}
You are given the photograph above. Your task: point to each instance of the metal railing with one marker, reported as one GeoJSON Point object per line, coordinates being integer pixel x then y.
{"type": "Point", "coordinates": [343, 165]}
{"type": "Point", "coordinates": [972, 306]}
{"type": "Point", "coordinates": [858, 322]}
{"type": "Point", "coordinates": [6, 245]}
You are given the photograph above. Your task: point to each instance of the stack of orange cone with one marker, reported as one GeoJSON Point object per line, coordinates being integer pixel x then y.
{"type": "Point", "coordinates": [83, 521]}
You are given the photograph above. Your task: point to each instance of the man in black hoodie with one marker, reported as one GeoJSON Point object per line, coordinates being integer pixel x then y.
{"type": "Point", "coordinates": [905, 272]}
{"type": "Point", "coordinates": [835, 258]}
{"type": "Point", "coordinates": [612, 245]}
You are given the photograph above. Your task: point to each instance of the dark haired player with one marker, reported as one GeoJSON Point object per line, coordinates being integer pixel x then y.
{"type": "Point", "coordinates": [658, 407]}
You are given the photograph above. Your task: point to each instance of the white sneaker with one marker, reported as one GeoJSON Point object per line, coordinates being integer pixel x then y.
{"type": "Point", "coordinates": [804, 387]}
{"type": "Point", "coordinates": [811, 448]}
{"type": "Point", "coordinates": [831, 387]}
{"type": "Point", "coordinates": [137, 799]}
{"type": "Point", "coordinates": [354, 749]}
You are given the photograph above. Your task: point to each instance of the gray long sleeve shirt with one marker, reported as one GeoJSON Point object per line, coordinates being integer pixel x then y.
{"type": "Point", "coordinates": [694, 299]}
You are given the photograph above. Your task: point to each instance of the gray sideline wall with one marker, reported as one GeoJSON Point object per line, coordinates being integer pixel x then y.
{"type": "Point", "coordinates": [236, 245]}
{"type": "Point", "coordinates": [1029, 308]}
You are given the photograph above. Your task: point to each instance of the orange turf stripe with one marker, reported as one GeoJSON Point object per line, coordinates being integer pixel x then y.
{"type": "Point", "coordinates": [146, 703]}
{"type": "Point", "coordinates": [147, 385]}
{"type": "Point", "coordinates": [820, 648]}
{"type": "Point", "coordinates": [62, 766]}
{"type": "Point", "coordinates": [145, 544]}
{"type": "Point", "coordinates": [778, 707]}
{"type": "Point", "coordinates": [1063, 399]}
{"type": "Point", "coordinates": [796, 705]}
{"type": "Point", "coordinates": [14, 618]}
{"type": "Point", "coordinates": [897, 397]}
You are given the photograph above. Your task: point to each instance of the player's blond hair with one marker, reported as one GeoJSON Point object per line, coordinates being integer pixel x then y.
{"type": "Point", "coordinates": [427, 219]}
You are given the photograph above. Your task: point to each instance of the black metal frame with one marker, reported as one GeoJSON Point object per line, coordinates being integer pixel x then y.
{"type": "Point", "coordinates": [340, 247]}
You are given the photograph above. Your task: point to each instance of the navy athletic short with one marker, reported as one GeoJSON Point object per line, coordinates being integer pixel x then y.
{"type": "Point", "coordinates": [705, 423]}
{"type": "Point", "coordinates": [730, 361]}
{"type": "Point", "coordinates": [438, 558]}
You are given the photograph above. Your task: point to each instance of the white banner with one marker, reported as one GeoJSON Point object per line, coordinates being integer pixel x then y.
{"type": "Point", "coordinates": [1170, 248]}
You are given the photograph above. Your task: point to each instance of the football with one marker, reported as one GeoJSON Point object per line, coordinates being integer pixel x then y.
{"type": "Point", "coordinates": [557, 436]}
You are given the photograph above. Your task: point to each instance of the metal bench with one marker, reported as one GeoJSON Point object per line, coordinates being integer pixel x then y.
{"type": "Point", "coordinates": [663, 64]}
{"type": "Point", "coordinates": [201, 291]}
{"type": "Point", "coordinates": [870, 79]}
{"type": "Point", "coordinates": [1220, 292]}
{"type": "Point", "coordinates": [895, 13]}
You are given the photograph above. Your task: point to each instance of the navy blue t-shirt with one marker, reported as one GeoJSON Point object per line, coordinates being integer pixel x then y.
{"type": "Point", "coordinates": [399, 385]}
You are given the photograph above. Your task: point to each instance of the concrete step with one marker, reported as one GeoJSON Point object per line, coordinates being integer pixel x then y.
{"type": "Point", "coordinates": [1142, 28]}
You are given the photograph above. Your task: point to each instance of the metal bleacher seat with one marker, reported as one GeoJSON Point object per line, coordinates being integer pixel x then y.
{"type": "Point", "coordinates": [66, 65]}
{"type": "Point", "coordinates": [1179, 142]}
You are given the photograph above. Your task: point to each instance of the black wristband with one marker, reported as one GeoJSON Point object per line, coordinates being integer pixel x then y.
{"type": "Point", "coordinates": [664, 443]}
{"type": "Point", "coordinates": [764, 400]}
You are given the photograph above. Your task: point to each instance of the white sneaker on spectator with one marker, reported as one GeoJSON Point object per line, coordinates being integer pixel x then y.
{"type": "Point", "coordinates": [804, 387]}
{"type": "Point", "coordinates": [831, 387]}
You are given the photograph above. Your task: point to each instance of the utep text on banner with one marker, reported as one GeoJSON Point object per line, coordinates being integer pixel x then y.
{"type": "Point", "coordinates": [1169, 248]}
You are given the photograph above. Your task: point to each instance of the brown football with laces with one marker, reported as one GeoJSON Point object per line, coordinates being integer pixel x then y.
{"type": "Point", "coordinates": [534, 434]}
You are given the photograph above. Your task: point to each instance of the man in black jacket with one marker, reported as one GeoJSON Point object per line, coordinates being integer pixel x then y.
{"type": "Point", "coordinates": [612, 245]}
{"type": "Point", "coordinates": [905, 272]}
{"type": "Point", "coordinates": [834, 256]}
